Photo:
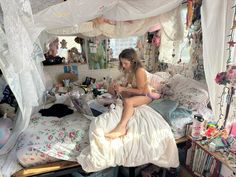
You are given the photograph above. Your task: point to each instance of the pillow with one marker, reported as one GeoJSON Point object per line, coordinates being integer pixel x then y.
{"type": "Point", "coordinates": [156, 79]}
{"type": "Point", "coordinates": [188, 92]}
{"type": "Point", "coordinates": [60, 138]}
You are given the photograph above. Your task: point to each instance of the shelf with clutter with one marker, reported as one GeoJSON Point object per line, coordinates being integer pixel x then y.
{"type": "Point", "coordinates": [210, 149]}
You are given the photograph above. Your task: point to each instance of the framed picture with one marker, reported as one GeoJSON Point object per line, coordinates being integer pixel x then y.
{"type": "Point", "coordinates": [97, 53]}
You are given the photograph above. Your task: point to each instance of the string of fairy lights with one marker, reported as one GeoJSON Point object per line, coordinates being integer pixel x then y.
{"type": "Point", "coordinates": [231, 44]}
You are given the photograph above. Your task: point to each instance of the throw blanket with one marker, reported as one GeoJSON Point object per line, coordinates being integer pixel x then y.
{"type": "Point", "coordinates": [170, 109]}
{"type": "Point", "coordinates": [148, 140]}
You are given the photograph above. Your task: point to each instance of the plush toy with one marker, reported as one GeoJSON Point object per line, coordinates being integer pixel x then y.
{"type": "Point", "coordinates": [7, 109]}
{"type": "Point", "coordinates": [63, 44]}
{"type": "Point", "coordinates": [6, 125]}
{"type": "Point", "coordinates": [76, 56]}
{"type": "Point", "coordinates": [53, 47]}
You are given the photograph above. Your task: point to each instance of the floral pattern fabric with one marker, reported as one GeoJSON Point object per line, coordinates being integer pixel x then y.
{"type": "Point", "coordinates": [188, 92]}
{"type": "Point", "coordinates": [50, 138]}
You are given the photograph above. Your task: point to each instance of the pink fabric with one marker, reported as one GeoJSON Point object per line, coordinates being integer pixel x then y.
{"type": "Point", "coordinates": [154, 28]}
{"type": "Point", "coordinates": [233, 129]}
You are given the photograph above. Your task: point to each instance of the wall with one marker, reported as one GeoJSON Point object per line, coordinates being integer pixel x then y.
{"type": "Point", "coordinates": [54, 70]}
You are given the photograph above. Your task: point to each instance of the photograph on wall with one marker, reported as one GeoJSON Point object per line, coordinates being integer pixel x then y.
{"type": "Point", "coordinates": [97, 55]}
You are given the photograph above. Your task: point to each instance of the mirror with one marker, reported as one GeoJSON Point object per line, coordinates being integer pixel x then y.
{"type": "Point", "coordinates": [65, 50]}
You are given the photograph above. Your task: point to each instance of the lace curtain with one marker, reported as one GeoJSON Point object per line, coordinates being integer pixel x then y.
{"type": "Point", "coordinates": [20, 62]}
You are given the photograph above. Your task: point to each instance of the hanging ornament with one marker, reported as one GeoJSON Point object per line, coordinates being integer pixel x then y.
{"type": "Point", "coordinates": [231, 43]}
{"type": "Point", "coordinates": [234, 25]}
{"type": "Point", "coordinates": [230, 89]}
{"type": "Point", "coordinates": [173, 51]}
{"type": "Point", "coordinates": [189, 13]}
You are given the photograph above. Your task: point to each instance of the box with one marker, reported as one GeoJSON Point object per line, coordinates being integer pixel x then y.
{"type": "Point", "coordinates": [109, 172]}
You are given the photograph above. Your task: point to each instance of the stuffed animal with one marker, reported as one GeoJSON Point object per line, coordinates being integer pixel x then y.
{"type": "Point", "coordinates": [63, 44]}
{"type": "Point", "coordinates": [76, 56]}
{"type": "Point", "coordinates": [53, 47]}
{"type": "Point", "coordinates": [7, 109]}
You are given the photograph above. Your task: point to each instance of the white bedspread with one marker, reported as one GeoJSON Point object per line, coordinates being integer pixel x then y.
{"type": "Point", "coordinates": [148, 140]}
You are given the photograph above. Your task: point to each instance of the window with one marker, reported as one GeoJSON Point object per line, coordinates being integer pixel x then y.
{"type": "Point", "coordinates": [117, 45]}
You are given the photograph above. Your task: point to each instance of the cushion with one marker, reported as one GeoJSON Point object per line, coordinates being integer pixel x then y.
{"type": "Point", "coordinates": [60, 138]}
{"type": "Point", "coordinates": [188, 92]}
{"type": "Point", "coordinates": [156, 79]}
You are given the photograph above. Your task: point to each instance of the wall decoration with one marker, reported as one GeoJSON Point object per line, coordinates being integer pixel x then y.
{"type": "Point", "coordinates": [72, 49]}
{"type": "Point", "coordinates": [96, 52]}
{"type": "Point", "coordinates": [228, 77]}
{"type": "Point", "coordinates": [71, 68]}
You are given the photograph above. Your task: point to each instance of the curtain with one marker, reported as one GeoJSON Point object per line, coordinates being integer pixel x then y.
{"type": "Point", "coordinates": [217, 19]}
{"type": "Point", "coordinates": [20, 60]}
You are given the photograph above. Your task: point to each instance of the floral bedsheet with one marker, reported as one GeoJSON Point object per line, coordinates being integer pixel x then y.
{"type": "Point", "coordinates": [48, 139]}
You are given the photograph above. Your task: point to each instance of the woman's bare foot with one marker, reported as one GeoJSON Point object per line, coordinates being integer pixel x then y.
{"type": "Point", "coordinates": [116, 132]}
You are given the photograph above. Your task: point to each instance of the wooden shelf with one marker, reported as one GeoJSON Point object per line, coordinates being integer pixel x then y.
{"type": "Point", "coordinates": [50, 167]}
{"type": "Point", "coordinates": [181, 140]}
{"type": "Point", "coordinates": [217, 155]}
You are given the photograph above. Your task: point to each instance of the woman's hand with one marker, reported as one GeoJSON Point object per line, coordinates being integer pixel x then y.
{"type": "Point", "coordinates": [111, 89]}
{"type": "Point", "coordinates": [119, 88]}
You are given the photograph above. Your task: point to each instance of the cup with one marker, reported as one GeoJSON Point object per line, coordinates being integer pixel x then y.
{"type": "Point", "coordinates": [197, 126]}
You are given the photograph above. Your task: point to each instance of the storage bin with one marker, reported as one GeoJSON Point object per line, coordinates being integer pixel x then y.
{"type": "Point", "coordinates": [109, 172]}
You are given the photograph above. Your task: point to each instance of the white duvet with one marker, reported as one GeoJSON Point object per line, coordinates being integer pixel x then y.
{"type": "Point", "coordinates": [148, 140]}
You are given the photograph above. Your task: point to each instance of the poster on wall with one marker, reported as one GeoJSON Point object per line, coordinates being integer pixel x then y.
{"type": "Point", "coordinates": [97, 55]}
{"type": "Point", "coordinates": [71, 68]}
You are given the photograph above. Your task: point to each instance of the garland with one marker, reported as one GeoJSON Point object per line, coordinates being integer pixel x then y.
{"type": "Point", "coordinates": [231, 42]}
{"type": "Point", "coordinates": [227, 77]}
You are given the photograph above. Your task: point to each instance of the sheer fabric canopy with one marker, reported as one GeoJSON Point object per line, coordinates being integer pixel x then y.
{"type": "Point", "coordinates": [21, 55]}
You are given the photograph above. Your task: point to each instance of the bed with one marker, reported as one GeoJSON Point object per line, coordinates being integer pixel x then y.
{"type": "Point", "coordinates": [48, 139]}
{"type": "Point", "coordinates": [75, 139]}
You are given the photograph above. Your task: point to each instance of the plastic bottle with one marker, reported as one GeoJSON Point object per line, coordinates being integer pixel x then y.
{"type": "Point", "coordinates": [197, 126]}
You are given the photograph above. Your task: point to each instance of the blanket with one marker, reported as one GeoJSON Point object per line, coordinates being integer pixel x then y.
{"type": "Point", "coordinates": [170, 109]}
{"type": "Point", "coordinates": [148, 140]}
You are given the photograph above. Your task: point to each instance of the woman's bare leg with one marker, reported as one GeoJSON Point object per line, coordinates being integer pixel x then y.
{"type": "Point", "coordinates": [128, 110]}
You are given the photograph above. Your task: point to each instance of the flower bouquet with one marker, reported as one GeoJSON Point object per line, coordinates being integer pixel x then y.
{"type": "Point", "coordinates": [228, 76]}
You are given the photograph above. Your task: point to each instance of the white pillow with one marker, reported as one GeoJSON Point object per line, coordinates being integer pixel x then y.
{"type": "Point", "coordinates": [155, 79]}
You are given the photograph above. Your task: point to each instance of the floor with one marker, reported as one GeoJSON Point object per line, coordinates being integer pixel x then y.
{"type": "Point", "coordinates": [121, 173]}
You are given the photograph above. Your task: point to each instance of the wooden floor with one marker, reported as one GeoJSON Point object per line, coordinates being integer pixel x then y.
{"type": "Point", "coordinates": [59, 165]}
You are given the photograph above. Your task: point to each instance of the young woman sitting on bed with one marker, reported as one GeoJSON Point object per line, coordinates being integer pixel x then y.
{"type": "Point", "coordinates": [135, 90]}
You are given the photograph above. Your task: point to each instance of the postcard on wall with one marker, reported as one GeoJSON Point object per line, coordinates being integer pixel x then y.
{"type": "Point", "coordinates": [74, 69]}
{"type": "Point", "coordinates": [97, 55]}
{"type": "Point", "coordinates": [67, 68]}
